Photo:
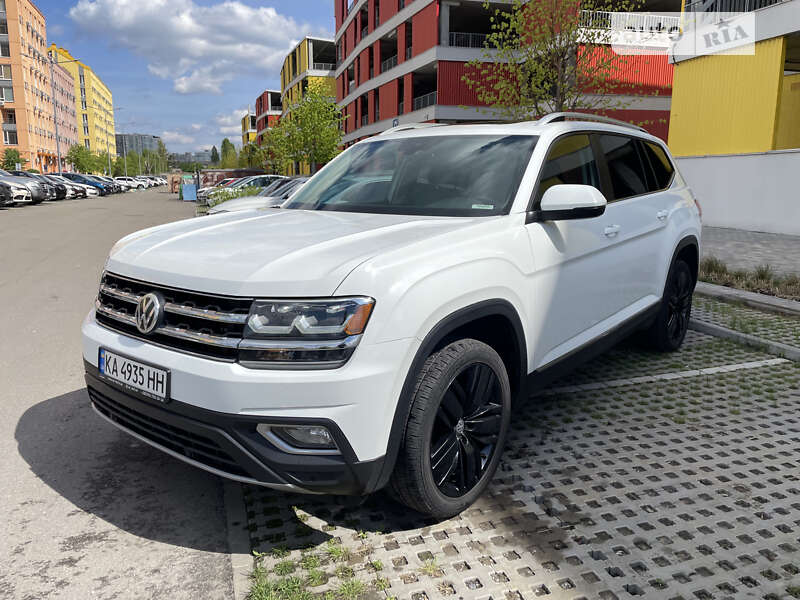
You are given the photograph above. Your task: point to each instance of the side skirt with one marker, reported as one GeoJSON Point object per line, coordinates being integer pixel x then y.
{"type": "Point", "coordinates": [541, 378]}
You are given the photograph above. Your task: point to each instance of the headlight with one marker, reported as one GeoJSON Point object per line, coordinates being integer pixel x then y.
{"type": "Point", "coordinates": [304, 333]}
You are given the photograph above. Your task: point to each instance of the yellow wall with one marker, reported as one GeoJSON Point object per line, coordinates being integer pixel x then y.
{"type": "Point", "coordinates": [726, 104]}
{"type": "Point", "coordinates": [788, 135]}
{"type": "Point", "coordinates": [99, 109]}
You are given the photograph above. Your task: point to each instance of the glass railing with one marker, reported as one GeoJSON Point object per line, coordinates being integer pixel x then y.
{"type": "Point", "coordinates": [323, 66]}
{"type": "Point", "coordinates": [626, 21]}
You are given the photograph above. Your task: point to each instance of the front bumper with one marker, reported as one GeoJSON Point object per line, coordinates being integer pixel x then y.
{"type": "Point", "coordinates": [224, 402]}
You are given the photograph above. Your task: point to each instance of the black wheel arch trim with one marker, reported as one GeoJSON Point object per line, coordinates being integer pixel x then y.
{"type": "Point", "coordinates": [455, 320]}
{"type": "Point", "coordinates": [689, 240]}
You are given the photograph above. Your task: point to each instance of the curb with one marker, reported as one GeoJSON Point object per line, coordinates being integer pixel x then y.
{"type": "Point", "coordinates": [238, 539]}
{"type": "Point", "coordinates": [776, 348]}
{"type": "Point", "coordinates": [752, 299]}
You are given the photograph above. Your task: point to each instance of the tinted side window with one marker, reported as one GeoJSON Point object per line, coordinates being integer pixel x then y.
{"type": "Point", "coordinates": [570, 160]}
{"type": "Point", "coordinates": [661, 166]}
{"type": "Point", "coordinates": [625, 166]}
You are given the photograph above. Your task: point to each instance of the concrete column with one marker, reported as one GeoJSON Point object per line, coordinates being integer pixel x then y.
{"type": "Point", "coordinates": [444, 24]}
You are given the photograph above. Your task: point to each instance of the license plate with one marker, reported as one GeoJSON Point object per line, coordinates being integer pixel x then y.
{"type": "Point", "coordinates": [135, 375]}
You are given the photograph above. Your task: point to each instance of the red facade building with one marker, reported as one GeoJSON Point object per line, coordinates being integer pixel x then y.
{"type": "Point", "coordinates": [268, 112]}
{"type": "Point", "coordinates": [401, 61]}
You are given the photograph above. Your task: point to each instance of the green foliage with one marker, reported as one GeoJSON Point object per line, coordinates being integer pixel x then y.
{"type": "Point", "coordinates": [312, 132]}
{"type": "Point", "coordinates": [214, 155]}
{"type": "Point", "coordinates": [226, 194]}
{"type": "Point", "coordinates": [10, 159]}
{"type": "Point", "coordinates": [539, 58]}
{"type": "Point", "coordinates": [252, 155]}
{"type": "Point", "coordinates": [228, 159]}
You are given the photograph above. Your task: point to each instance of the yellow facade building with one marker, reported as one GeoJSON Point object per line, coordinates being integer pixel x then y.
{"type": "Point", "coordinates": [94, 104]}
{"type": "Point", "coordinates": [313, 60]}
{"type": "Point", "coordinates": [729, 103]}
{"type": "Point", "coordinates": [248, 128]}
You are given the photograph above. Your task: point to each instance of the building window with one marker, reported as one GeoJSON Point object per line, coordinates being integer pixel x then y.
{"type": "Point", "coordinates": [7, 93]}
{"type": "Point", "coordinates": [10, 138]}
{"type": "Point", "coordinates": [5, 72]}
{"type": "Point", "coordinates": [86, 143]}
{"type": "Point", "coordinates": [5, 51]}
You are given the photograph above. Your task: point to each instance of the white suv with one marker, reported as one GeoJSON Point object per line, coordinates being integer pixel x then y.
{"type": "Point", "coordinates": [378, 328]}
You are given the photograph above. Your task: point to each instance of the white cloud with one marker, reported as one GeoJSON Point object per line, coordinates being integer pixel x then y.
{"type": "Point", "coordinates": [198, 47]}
{"type": "Point", "coordinates": [176, 137]}
{"type": "Point", "coordinates": [230, 123]}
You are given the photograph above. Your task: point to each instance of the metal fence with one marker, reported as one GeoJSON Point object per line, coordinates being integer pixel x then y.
{"type": "Point", "coordinates": [729, 5]}
{"type": "Point", "coordinates": [324, 66]}
{"type": "Point", "coordinates": [621, 21]}
{"type": "Point", "coordinates": [467, 40]}
{"type": "Point", "coordinates": [423, 101]}
{"type": "Point", "coordinates": [389, 63]}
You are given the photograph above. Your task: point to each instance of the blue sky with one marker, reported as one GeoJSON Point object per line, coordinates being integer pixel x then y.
{"type": "Point", "coordinates": [185, 69]}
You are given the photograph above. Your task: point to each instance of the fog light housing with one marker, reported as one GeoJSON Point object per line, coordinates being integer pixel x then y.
{"type": "Point", "coordinates": [299, 438]}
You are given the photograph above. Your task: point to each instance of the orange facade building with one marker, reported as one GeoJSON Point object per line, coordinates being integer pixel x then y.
{"type": "Point", "coordinates": [25, 89]}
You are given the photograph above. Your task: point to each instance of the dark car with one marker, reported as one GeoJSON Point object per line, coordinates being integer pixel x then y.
{"type": "Point", "coordinates": [101, 187]}
{"type": "Point", "coordinates": [54, 191]}
{"type": "Point", "coordinates": [6, 195]}
{"type": "Point", "coordinates": [78, 191]}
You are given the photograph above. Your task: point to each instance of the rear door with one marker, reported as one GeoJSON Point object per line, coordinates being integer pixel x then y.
{"type": "Point", "coordinates": [637, 210]}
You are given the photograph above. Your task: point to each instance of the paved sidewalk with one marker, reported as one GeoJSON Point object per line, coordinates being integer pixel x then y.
{"type": "Point", "coordinates": [740, 249]}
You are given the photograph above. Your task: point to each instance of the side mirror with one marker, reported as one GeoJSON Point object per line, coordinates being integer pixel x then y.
{"type": "Point", "coordinates": [569, 201]}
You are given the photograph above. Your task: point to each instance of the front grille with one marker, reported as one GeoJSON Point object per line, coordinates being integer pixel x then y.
{"type": "Point", "coordinates": [204, 324]}
{"type": "Point", "coordinates": [186, 443]}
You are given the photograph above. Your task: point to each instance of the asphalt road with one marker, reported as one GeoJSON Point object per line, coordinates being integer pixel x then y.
{"type": "Point", "coordinates": [86, 511]}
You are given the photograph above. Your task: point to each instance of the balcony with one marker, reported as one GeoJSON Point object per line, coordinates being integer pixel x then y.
{"type": "Point", "coordinates": [729, 5]}
{"type": "Point", "coordinates": [616, 21]}
{"type": "Point", "coordinates": [426, 100]}
{"type": "Point", "coordinates": [389, 63]}
{"type": "Point", "coordinates": [323, 66]}
{"type": "Point", "coordinates": [467, 40]}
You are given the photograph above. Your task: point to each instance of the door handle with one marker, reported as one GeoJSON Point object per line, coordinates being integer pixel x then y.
{"type": "Point", "coordinates": [611, 230]}
{"type": "Point", "coordinates": [662, 215]}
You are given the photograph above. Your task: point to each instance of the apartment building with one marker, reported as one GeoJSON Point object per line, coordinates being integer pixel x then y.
{"type": "Point", "coordinates": [248, 128]}
{"type": "Point", "coordinates": [313, 59]}
{"type": "Point", "coordinates": [400, 61]}
{"type": "Point", "coordinates": [136, 142]}
{"type": "Point", "coordinates": [268, 112]}
{"type": "Point", "coordinates": [26, 93]}
{"type": "Point", "coordinates": [64, 88]}
{"type": "Point", "coordinates": [94, 104]}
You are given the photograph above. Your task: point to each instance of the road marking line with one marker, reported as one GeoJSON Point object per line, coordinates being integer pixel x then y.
{"type": "Point", "coordinates": [615, 383]}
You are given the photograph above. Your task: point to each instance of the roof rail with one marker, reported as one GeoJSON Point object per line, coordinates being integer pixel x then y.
{"type": "Point", "coordinates": [577, 116]}
{"type": "Point", "coordinates": [409, 126]}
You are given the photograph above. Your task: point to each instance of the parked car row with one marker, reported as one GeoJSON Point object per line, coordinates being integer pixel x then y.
{"type": "Point", "coordinates": [272, 196]}
{"type": "Point", "coordinates": [260, 181]}
{"type": "Point", "coordinates": [22, 187]}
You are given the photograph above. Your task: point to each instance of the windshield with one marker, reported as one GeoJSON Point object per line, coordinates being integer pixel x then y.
{"type": "Point", "coordinates": [446, 175]}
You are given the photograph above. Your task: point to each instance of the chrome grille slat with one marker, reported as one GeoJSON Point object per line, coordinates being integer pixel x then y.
{"type": "Point", "coordinates": [193, 322]}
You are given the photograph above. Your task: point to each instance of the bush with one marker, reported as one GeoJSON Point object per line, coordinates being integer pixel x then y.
{"type": "Point", "coordinates": [225, 194]}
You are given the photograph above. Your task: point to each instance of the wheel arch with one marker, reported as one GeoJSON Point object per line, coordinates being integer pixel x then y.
{"type": "Point", "coordinates": [494, 322]}
{"type": "Point", "coordinates": [688, 249]}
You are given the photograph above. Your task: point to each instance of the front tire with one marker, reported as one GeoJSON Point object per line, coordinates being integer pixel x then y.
{"type": "Point", "coordinates": [668, 331]}
{"type": "Point", "coordinates": [456, 430]}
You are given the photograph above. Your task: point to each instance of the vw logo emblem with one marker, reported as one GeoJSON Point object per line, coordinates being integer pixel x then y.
{"type": "Point", "coordinates": [148, 312]}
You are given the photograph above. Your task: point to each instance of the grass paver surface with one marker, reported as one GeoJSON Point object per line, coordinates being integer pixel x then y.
{"type": "Point", "coordinates": [773, 327]}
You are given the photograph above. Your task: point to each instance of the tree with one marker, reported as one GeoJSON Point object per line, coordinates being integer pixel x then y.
{"type": "Point", "coordinates": [134, 163]}
{"type": "Point", "coordinates": [313, 128]}
{"type": "Point", "coordinates": [81, 158]}
{"type": "Point", "coordinates": [214, 155]}
{"type": "Point", "coordinates": [252, 156]}
{"type": "Point", "coordinates": [549, 55]}
{"type": "Point", "coordinates": [228, 159]}
{"type": "Point", "coordinates": [275, 149]}
{"type": "Point", "coordinates": [10, 159]}
{"type": "Point", "coordinates": [162, 164]}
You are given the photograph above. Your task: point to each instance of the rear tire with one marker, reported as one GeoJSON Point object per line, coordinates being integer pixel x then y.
{"type": "Point", "coordinates": [668, 331]}
{"type": "Point", "coordinates": [456, 430]}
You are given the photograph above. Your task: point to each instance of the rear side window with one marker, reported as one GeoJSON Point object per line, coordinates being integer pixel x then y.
{"type": "Point", "coordinates": [625, 166]}
{"type": "Point", "coordinates": [570, 160]}
{"type": "Point", "coordinates": [660, 164]}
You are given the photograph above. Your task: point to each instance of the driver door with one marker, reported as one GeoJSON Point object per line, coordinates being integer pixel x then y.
{"type": "Point", "coordinates": [573, 291]}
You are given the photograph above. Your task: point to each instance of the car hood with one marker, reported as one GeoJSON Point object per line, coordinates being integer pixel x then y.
{"type": "Point", "coordinates": [26, 181]}
{"type": "Point", "coordinates": [268, 252]}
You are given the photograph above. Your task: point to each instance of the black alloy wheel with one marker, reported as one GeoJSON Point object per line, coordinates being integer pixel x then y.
{"type": "Point", "coordinates": [465, 433]}
{"type": "Point", "coordinates": [679, 304]}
